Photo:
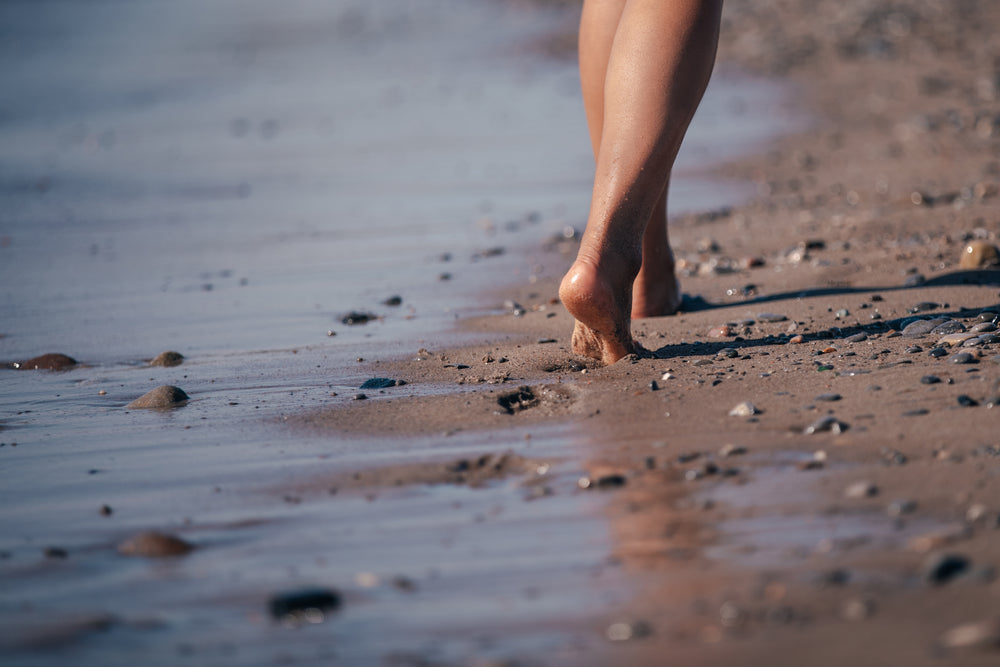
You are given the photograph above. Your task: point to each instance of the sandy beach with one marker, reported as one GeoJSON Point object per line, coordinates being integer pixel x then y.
{"type": "Point", "coordinates": [806, 474]}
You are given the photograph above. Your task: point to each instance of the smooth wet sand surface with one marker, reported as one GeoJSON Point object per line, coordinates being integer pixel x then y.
{"type": "Point", "coordinates": [502, 506]}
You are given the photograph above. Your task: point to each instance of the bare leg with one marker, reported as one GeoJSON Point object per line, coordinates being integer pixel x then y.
{"type": "Point", "coordinates": [659, 57]}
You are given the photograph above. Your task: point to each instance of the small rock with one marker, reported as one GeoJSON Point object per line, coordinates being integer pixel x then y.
{"type": "Point", "coordinates": [937, 352]}
{"type": "Point", "coordinates": [863, 489]}
{"type": "Point", "coordinates": [605, 481]}
{"type": "Point", "coordinates": [941, 568]}
{"type": "Point", "coordinates": [925, 306]}
{"type": "Point", "coordinates": [983, 327]}
{"type": "Point", "coordinates": [55, 552]}
{"type": "Point", "coordinates": [721, 331]}
{"type": "Point", "coordinates": [728, 353]}
{"type": "Point", "coordinates": [154, 545]}
{"type": "Point", "coordinates": [979, 255]}
{"type": "Point", "coordinates": [829, 423]}
{"type": "Point", "coordinates": [771, 317]}
{"type": "Point", "coordinates": [161, 398]}
{"type": "Point", "coordinates": [841, 314]}
{"type": "Point", "coordinates": [393, 301]}
{"type": "Point", "coordinates": [858, 609]}
{"type": "Point", "coordinates": [898, 508]}
{"type": "Point", "coordinates": [47, 362]}
{"type": "Point", "coordinates": [796, 340]}
{"type": "Point", "coordinates": [829, 398]}
{"type": "Point", "coordinates": [966, 401]}
{"type": "Point", "coordinates": [918, 328]}
{"type": "Point", "coordinates": [360, 397]}
{"type": "Point", "coordinates": [732, 450]}
{"type": "Point", "coordinates": [914, 280]}
{"type": "Point", "coordinates": [744, 409]}
{"type": "Point", "coordinates": [857, 338]}
{"type": "Point", "coordinates": [354, 318]}
{"type": "Point", "coordinates": [623, 631]}
{"type": "Point", "coordinates": [955, 339]}
{"type": "Point", "coordinates": [949, 327]}
{"type": "Point", "coordinates": [168, 358]}
{"type": "Point", "coordinates": [962, 358]}
{"type": "Point", "coordinates": [979, 635]}
{"type": "Point", "coordinates": [930, 379]}
{"type": "Point", "coordinates": [304, 606]}
{"type": "Point", "coordinates": [381, 383]}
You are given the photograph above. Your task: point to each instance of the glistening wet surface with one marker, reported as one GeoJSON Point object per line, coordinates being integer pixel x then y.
{"type": "Point", "coordinates": [229, 181]}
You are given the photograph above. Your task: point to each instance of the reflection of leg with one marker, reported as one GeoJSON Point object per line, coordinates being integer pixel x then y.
{"type": "Point", "coordinates": [659, 61]}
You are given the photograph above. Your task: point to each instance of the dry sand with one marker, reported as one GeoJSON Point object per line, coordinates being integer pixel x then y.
{"type": "Point", "coordinates": [751, 539]}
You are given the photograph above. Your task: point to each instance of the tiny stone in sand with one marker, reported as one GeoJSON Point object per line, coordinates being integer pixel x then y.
{"type": "Point", "coordinates": [744, 409]}
{"type": "Point", "coordinates": [162, 397]}
{"type": "Point", "coordinates": [979, 255]}
{"type": "Point", "coordinates": [168, 358]}
{"type": "Point", "coordinates": [154, 545]}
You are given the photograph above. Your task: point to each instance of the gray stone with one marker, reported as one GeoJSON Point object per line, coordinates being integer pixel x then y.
{"type": "Point", "coordinates": [863, 489]}
{"type": "Point", "coordinates": [983, 327]}
{"type": "Point", "coordinates": [922, 327]}
{"type": "Point", "coordinates": [940, 568]}
{"type": "Point", "coordinates": [857, 338]}
{"type": "Point", "coordinates": [826, 424]}
{"type": "Point", "coordinates": [949, 327]}
{"type": "Point", "coordinates": [771, 317]}
{"type": "Point", "coordinates": [829, 398]}
{"type": "Point", "coordinates": [962, 358]}
{"type": "Point", "coordinates": [161, 398]}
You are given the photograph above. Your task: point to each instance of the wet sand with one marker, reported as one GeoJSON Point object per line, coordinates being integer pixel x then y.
{"type": "Point", "coordinates": [510, 503]}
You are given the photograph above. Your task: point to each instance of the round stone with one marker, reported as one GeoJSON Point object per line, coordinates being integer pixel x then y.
{"type": "Point", "coordinates": [979, 255]}
{"type": "Point", "coordinates": [949, 327]}
{"type": "Point", "coordinates": [47, 362]}
{"type": "Point", "coordinates": [962, 358]}
{"type": "Point", "coordinates": [161, 398]}
{"type": "Point", "coordinates": [168, 358]}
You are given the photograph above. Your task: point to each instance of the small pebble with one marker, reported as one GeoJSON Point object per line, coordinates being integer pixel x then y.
{"type": "Point", "coordinates": [829, 423]}
{"type": "Point", "coordinates": [304, 606]}
{"type": "Point", "coordinates": [829, 398]}
{"type": "Point", "coordinates": [857, 338]}
{"type": "Point", "coordinates": [796, 340]}
{"type": "Point", "coordinates": [744, 409]}
{"type": "Point", "coordinates": [721, 331]}
{"type": "Point", "coordinates": [919, 412]}
{"type": "Point", "coordinates": [914, 280]}
{"type": "Point", "coordinates": [938, 352]}
{"type": "Point", "coordinates": [913, 349]}
{"type": "Point", "coordinates": [930, 379]}
{"type": "Point", "coordinates": [962, 358]}
{"type": "Point", "coordinates": [168, 358]}
{"type": "Point", "coordinates": [979, 255]}
{"type": "Point", "coordinates": [976, 635]}
{"type": "Point", "coordinates": [55, 552]}
{"type": "Point", "coordinates": [925, 306]}
{"type": "Point", "coordinates": [966, 401]}
{"type": "Point", "coordinates": [623, 631]}
{"type": "Point", "coordinates": [771, 317]}
{"type": "Point", "coordinates": [898, 508]}
{"type": "Point", "coordinates": [940, 568]}
{"type": "Point", "coordinates": [728, 353]}
{"type": "Point", "coordinates": [47, 362]}
{"type": "Point", "coordinates": [732, 450]}
{"type": "Point", "coordinates": [955, 339]}
{"type": "Point", "coordinates": [949, 327]}
{"type": "Point", "coordinates": [918, 328]}
{"type": "Point", "coordinates": [858, 609]}
{"type": "Point", "coordinates": [151, 544]}
{"type": "Point", "coordinates": [841, 314]}
{"type": "Point", "coordinates": [983, 327]}
{"type": "Point", "coordinates": [360, 397]}
{"type": "Point", "coordinates": [161, 398]}
{"type": "Point", "coordinates": [861, 489]}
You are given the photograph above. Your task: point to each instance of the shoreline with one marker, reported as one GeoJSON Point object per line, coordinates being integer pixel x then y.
{"type": "Point", "coordinates": [820, 518]}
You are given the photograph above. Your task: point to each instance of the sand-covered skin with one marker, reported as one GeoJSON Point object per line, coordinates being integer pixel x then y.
{"type": "Point", "coordinates": [778, 537]}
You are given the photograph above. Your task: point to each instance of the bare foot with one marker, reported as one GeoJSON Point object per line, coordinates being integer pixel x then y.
{"type": "Point", "coordinates": [602, 314]}
{"type": "Point", "coordinates": [656, 291]}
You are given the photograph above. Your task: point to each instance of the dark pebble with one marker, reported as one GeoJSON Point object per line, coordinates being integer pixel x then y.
{"type": "Point", "coordinates": [925, 306]}
{"type": "Point", "coordinates": [728, 353]}
{"type": "Point", "coordinates": [393, 301]}
{"type": "Point", "coordinates": [826, 424]}
{"type": "Point", "coordinates": [544, 341]}
{"type": "Point", "coordinates": [838, 577]}
{"type": "Point", "coordinates": [989, 316]}
{"type": "Point", "coordinates": [857, 338]}
{"type": "Point", "coordinates": [930, 379]}
{"type": "Point", "coordinates": [916, 413]}
{"type": "Point", "coordinates": [966, 401]}
{"type": "Point", "coordinates": [653, 386]}
{"type": "Point", "coordinates": [913, 349]}
{"type": "Point", "coordinates": [106, 510]}
{"type": "Point", "coordinates": [381, 383]}
{"type": "Point", "coordinates": [55, 552]}
{"type": "Point", "coordinates": [47, 362]}
{"type": "Point", "coordinates": [942, 568]}
{"type": "Point", "coordinates": [360, 397]}
{"type": "Point", "coordinates": [355, 318]}
{"type": "Point", "coordinates": [962, 358]}
{"type": "Point", "coordinates": [915, 280]}
{"type": "Point", "coordinates": [304, 605]}
{"type": "Point", "coordinates": [831, 397]}
{"type": "Point", "coordinates": [937, 352]}
{"type": "Point", "coordinates": [771, 317]}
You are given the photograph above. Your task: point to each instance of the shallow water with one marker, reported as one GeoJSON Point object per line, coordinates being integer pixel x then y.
{"type": "Point", "coordinates": [228, 179]}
